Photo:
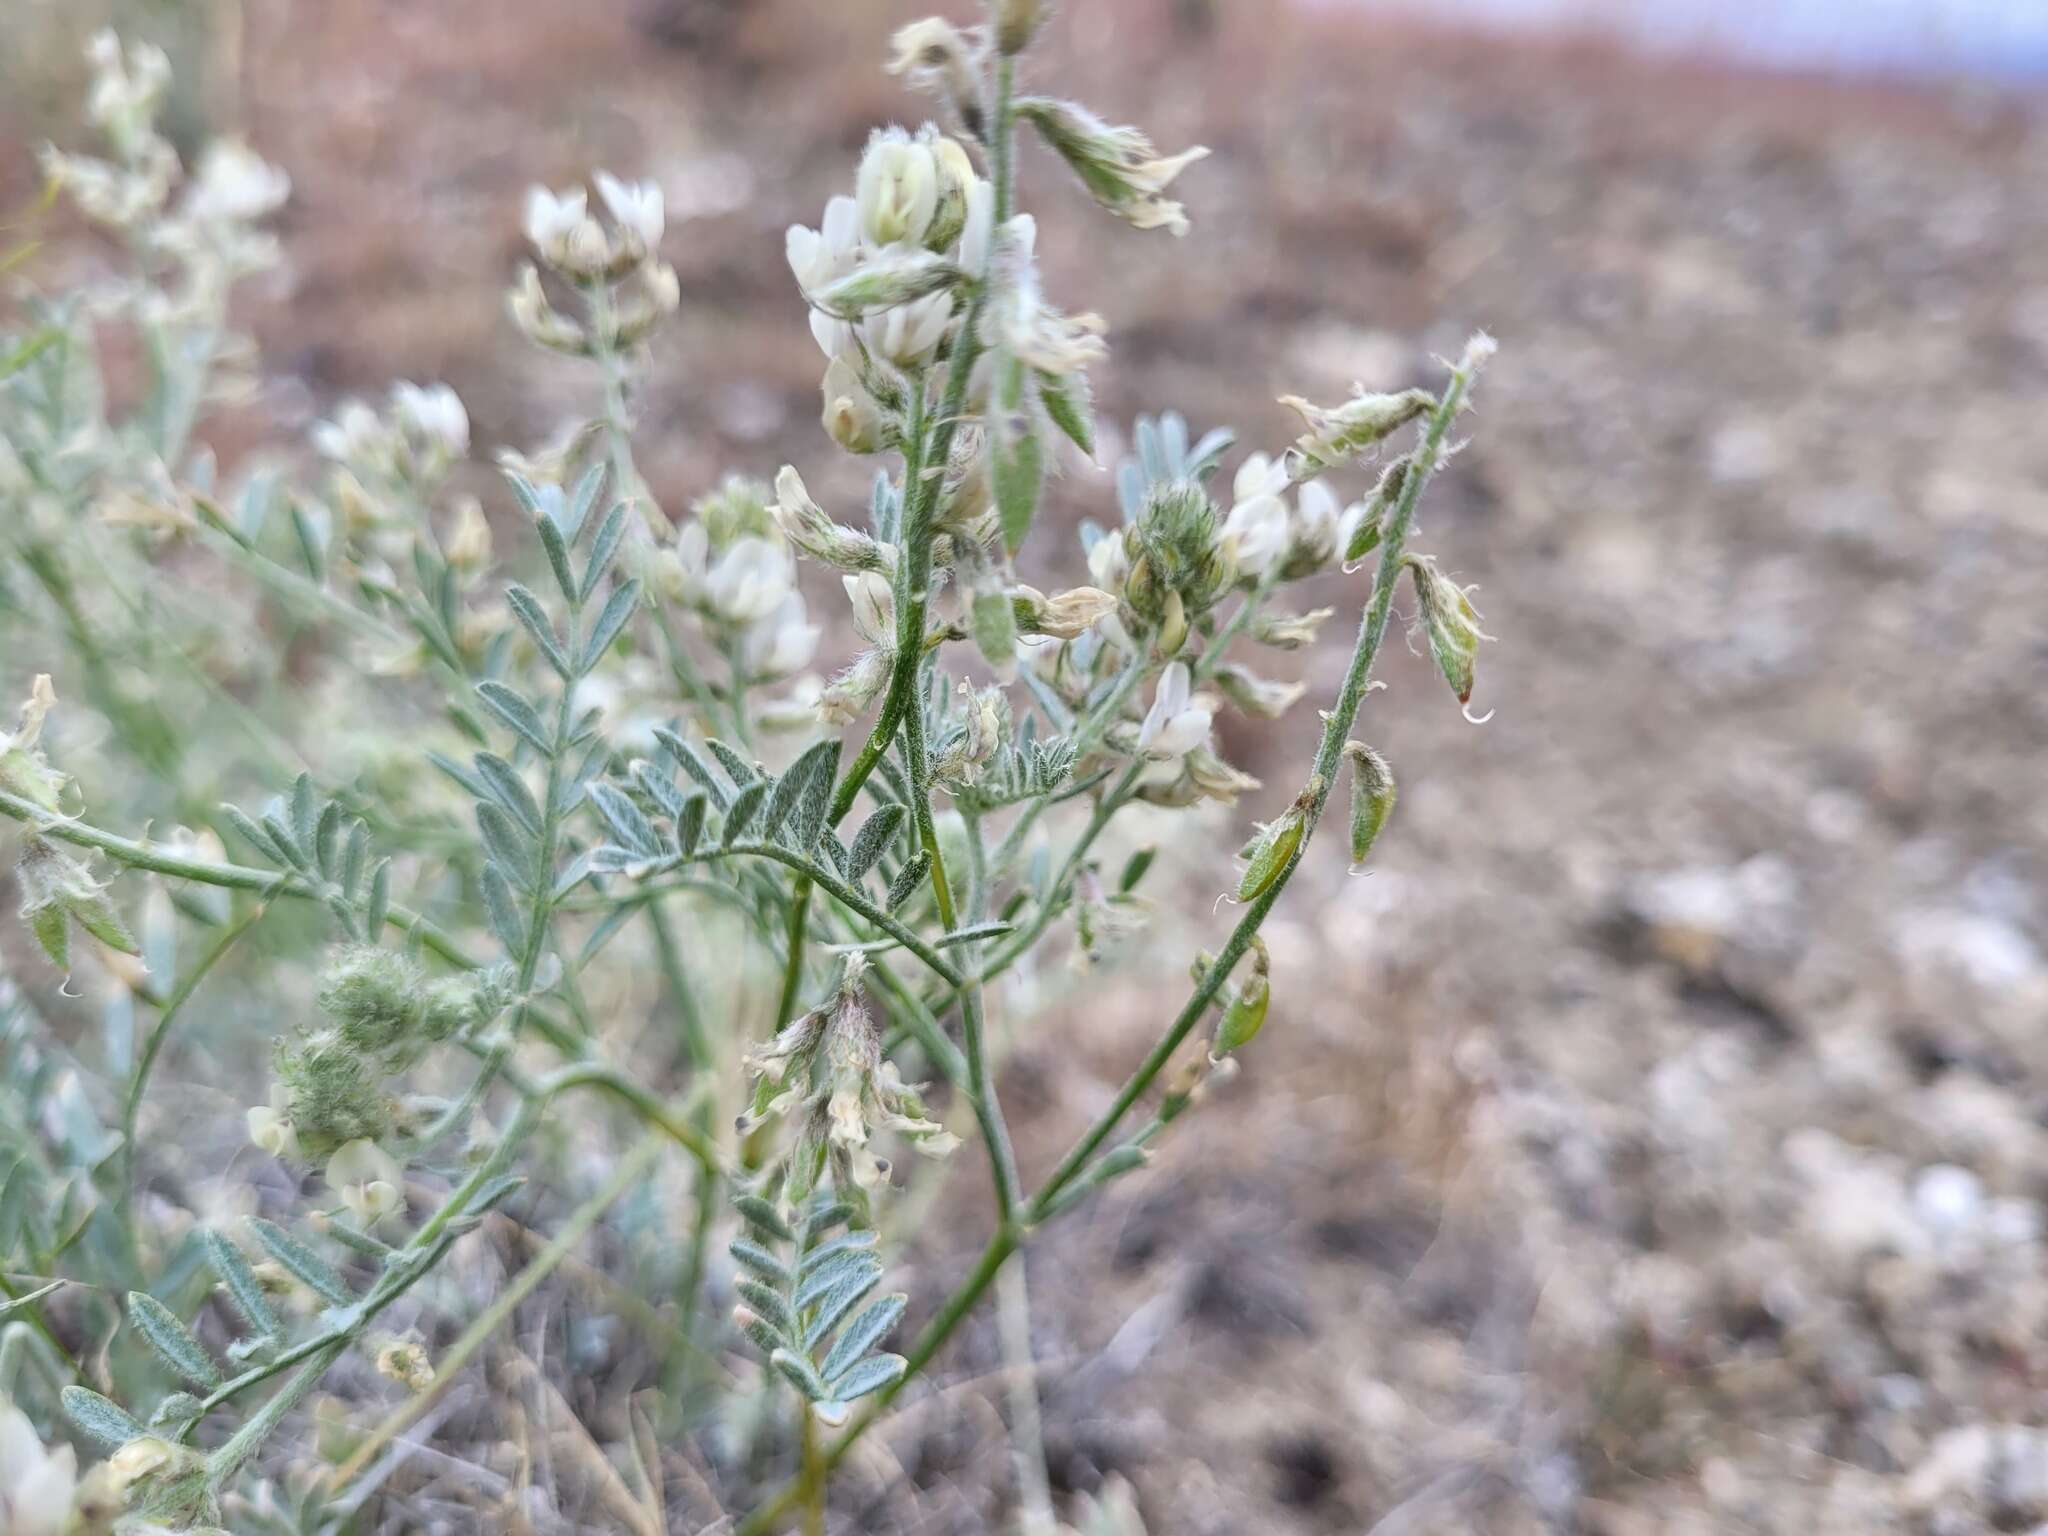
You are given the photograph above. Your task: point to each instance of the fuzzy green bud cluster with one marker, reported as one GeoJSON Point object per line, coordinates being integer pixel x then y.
{"type": "Point", "coordinates": [1179, 565]}
{"type": "Point", "coordinates": [381, 1016]}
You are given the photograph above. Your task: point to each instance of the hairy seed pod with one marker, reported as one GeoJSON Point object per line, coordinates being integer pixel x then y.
{"type": "Point", "coordinates": [1450, 622]}
{"type": "Point", "coordinates": [1270, 852]}
{"type": "Point", "coordinates": [1372, 797]}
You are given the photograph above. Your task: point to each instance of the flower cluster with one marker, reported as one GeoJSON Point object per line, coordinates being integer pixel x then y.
{"type": "Point", "coordinates": [610, 704]}
{"type": "Point", "coordinates": [730, 569]}
{"type": "Point", "coordinates": [826, 1071]}
{"type": "Point", "coordinates": [615, 268]}
{"type": "Point", "coordinates": [332, 1097]}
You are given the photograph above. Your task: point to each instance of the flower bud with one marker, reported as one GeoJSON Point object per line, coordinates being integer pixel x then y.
{"type": "Point", "coordinates": [847, 697]}
{"type": "Point", "coordinates": [1372, 797]}
{"type": "Point", "coordinates": [1065, 615]}
{"type": "Point", "coordinates": [805, 524]}
{"type": "Point", "coordinates": [897, 189]}
{"type": "Point", "coordinates": [893, 278]}
{"type": "Point", "coordinates": [538, 320]}
{"type": "Point", "coordinates": [1260, 697]}
{"type": "Point", "coordinates": [874, 607]}
{"type": "Point", "coordinates": [956, 181]}
{"type": "Point", "coordinates": [1450, 622]}
{"type": "Point", "coordinates": [1289, 632]}
{"type": "Point", "coordinates": [851, 417]}
{"type": "Point", "coordinates": [1016, 22]}
{"type": "Point", "coordinates": [933, 54]}
{"type": "Point", "coordinates": [1339, 433]}
{"type": "Point", "coordinates": [1118, 166]}
{"type": "Point", "coordinates": [469, 542]}
{"type": "Point", "coordinates": [552, 221]}
{"type": "Point", "coordinates": [1211, 778]}
{"type": "Point", "coordinates": [24, 771]}
{"type": "Point", "coordinates": [433, 417]}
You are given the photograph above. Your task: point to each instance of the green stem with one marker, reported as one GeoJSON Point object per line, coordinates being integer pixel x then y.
{"type": "Point", "coordinates": [160, 1036]}
{"type": "Point", "coordinates": [1336, 726]}
{"type": "Point", "coordinates": [1011, 1234]}
{"type": "Point", "coordinates": [159, 860]}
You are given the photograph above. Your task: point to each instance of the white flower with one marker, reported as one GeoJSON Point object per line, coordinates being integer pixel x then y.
{"type": "Point", "coordinates": [749, 581]}
{"type": "Point", "coordinates": [1321, 526]}
{"type": "Point", "coordinates": [974, 236]}
{"type": "Point", "coordinates": [851, 416]}
{"type": "Point", "coordinates": [552, 218]}
{"type": "Point", "coordinates": [562, 230]}
{"type": "Point", "coordinates": [271, 1128]}
{"type": "Point", "coordinates": [819, 258]}
{"type": "Point", "coordinates": [126, 87]}
{"type": "Point", "coordinates": [434, 413]}
{"type": "Point", "coordinates": [356, 433]}
{"type": "Point", "coordinates": [1176, 724]}
{"type": "Point", "coordinates": [1109, 562]}
{"type": "Point", "coordinates": [37, 1485]}
{"type": "Point", "coordinates": [680, 569]}
{"type": "Point", "coordinates": [897, 188]}
{"type": "Point", "coordinates": [636, 205]}
{"type": "Point", "coordinates": [138, 1459]}
{"type": "Point", "coordinates": [235, 185]}
{"type": "Point", "coordinates": [874, 606]}
{"type": "Point", "coordinates": [908, 334]}
{"type": "Point", "coordinates": [537, 319]}
{"type": "Point", "coordinates": [368, 1180]}
{"type": "Point", "coordinates": [783, 642]}
{"type": "Point", "coordinates": [1258, 521]}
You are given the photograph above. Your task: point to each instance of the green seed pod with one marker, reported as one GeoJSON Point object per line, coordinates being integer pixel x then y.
{"type": "Point", "coordinates": [1372, 797]}
{"type": "Point", "coordinates": [1450, 622]}
{"type": "Point", "coordinates": [374, 997]}
{"type": "Point", "coordinates": [1266, 855]}
{"type": "Point", "coordinates": [1366, 536]}
{"type": "Point", "coordinates": [1246, 1014]}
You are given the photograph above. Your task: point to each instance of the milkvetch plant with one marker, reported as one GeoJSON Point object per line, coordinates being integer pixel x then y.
{"type": "Point", "coordinates": [603, 775]}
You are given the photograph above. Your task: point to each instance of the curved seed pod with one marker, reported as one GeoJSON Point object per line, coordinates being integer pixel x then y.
{"type": "Point", "coordinates": [1372, 797]}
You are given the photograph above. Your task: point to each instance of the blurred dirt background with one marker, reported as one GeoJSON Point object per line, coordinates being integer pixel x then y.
{"type": "Point", "coordinates": [1654, 1141]}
